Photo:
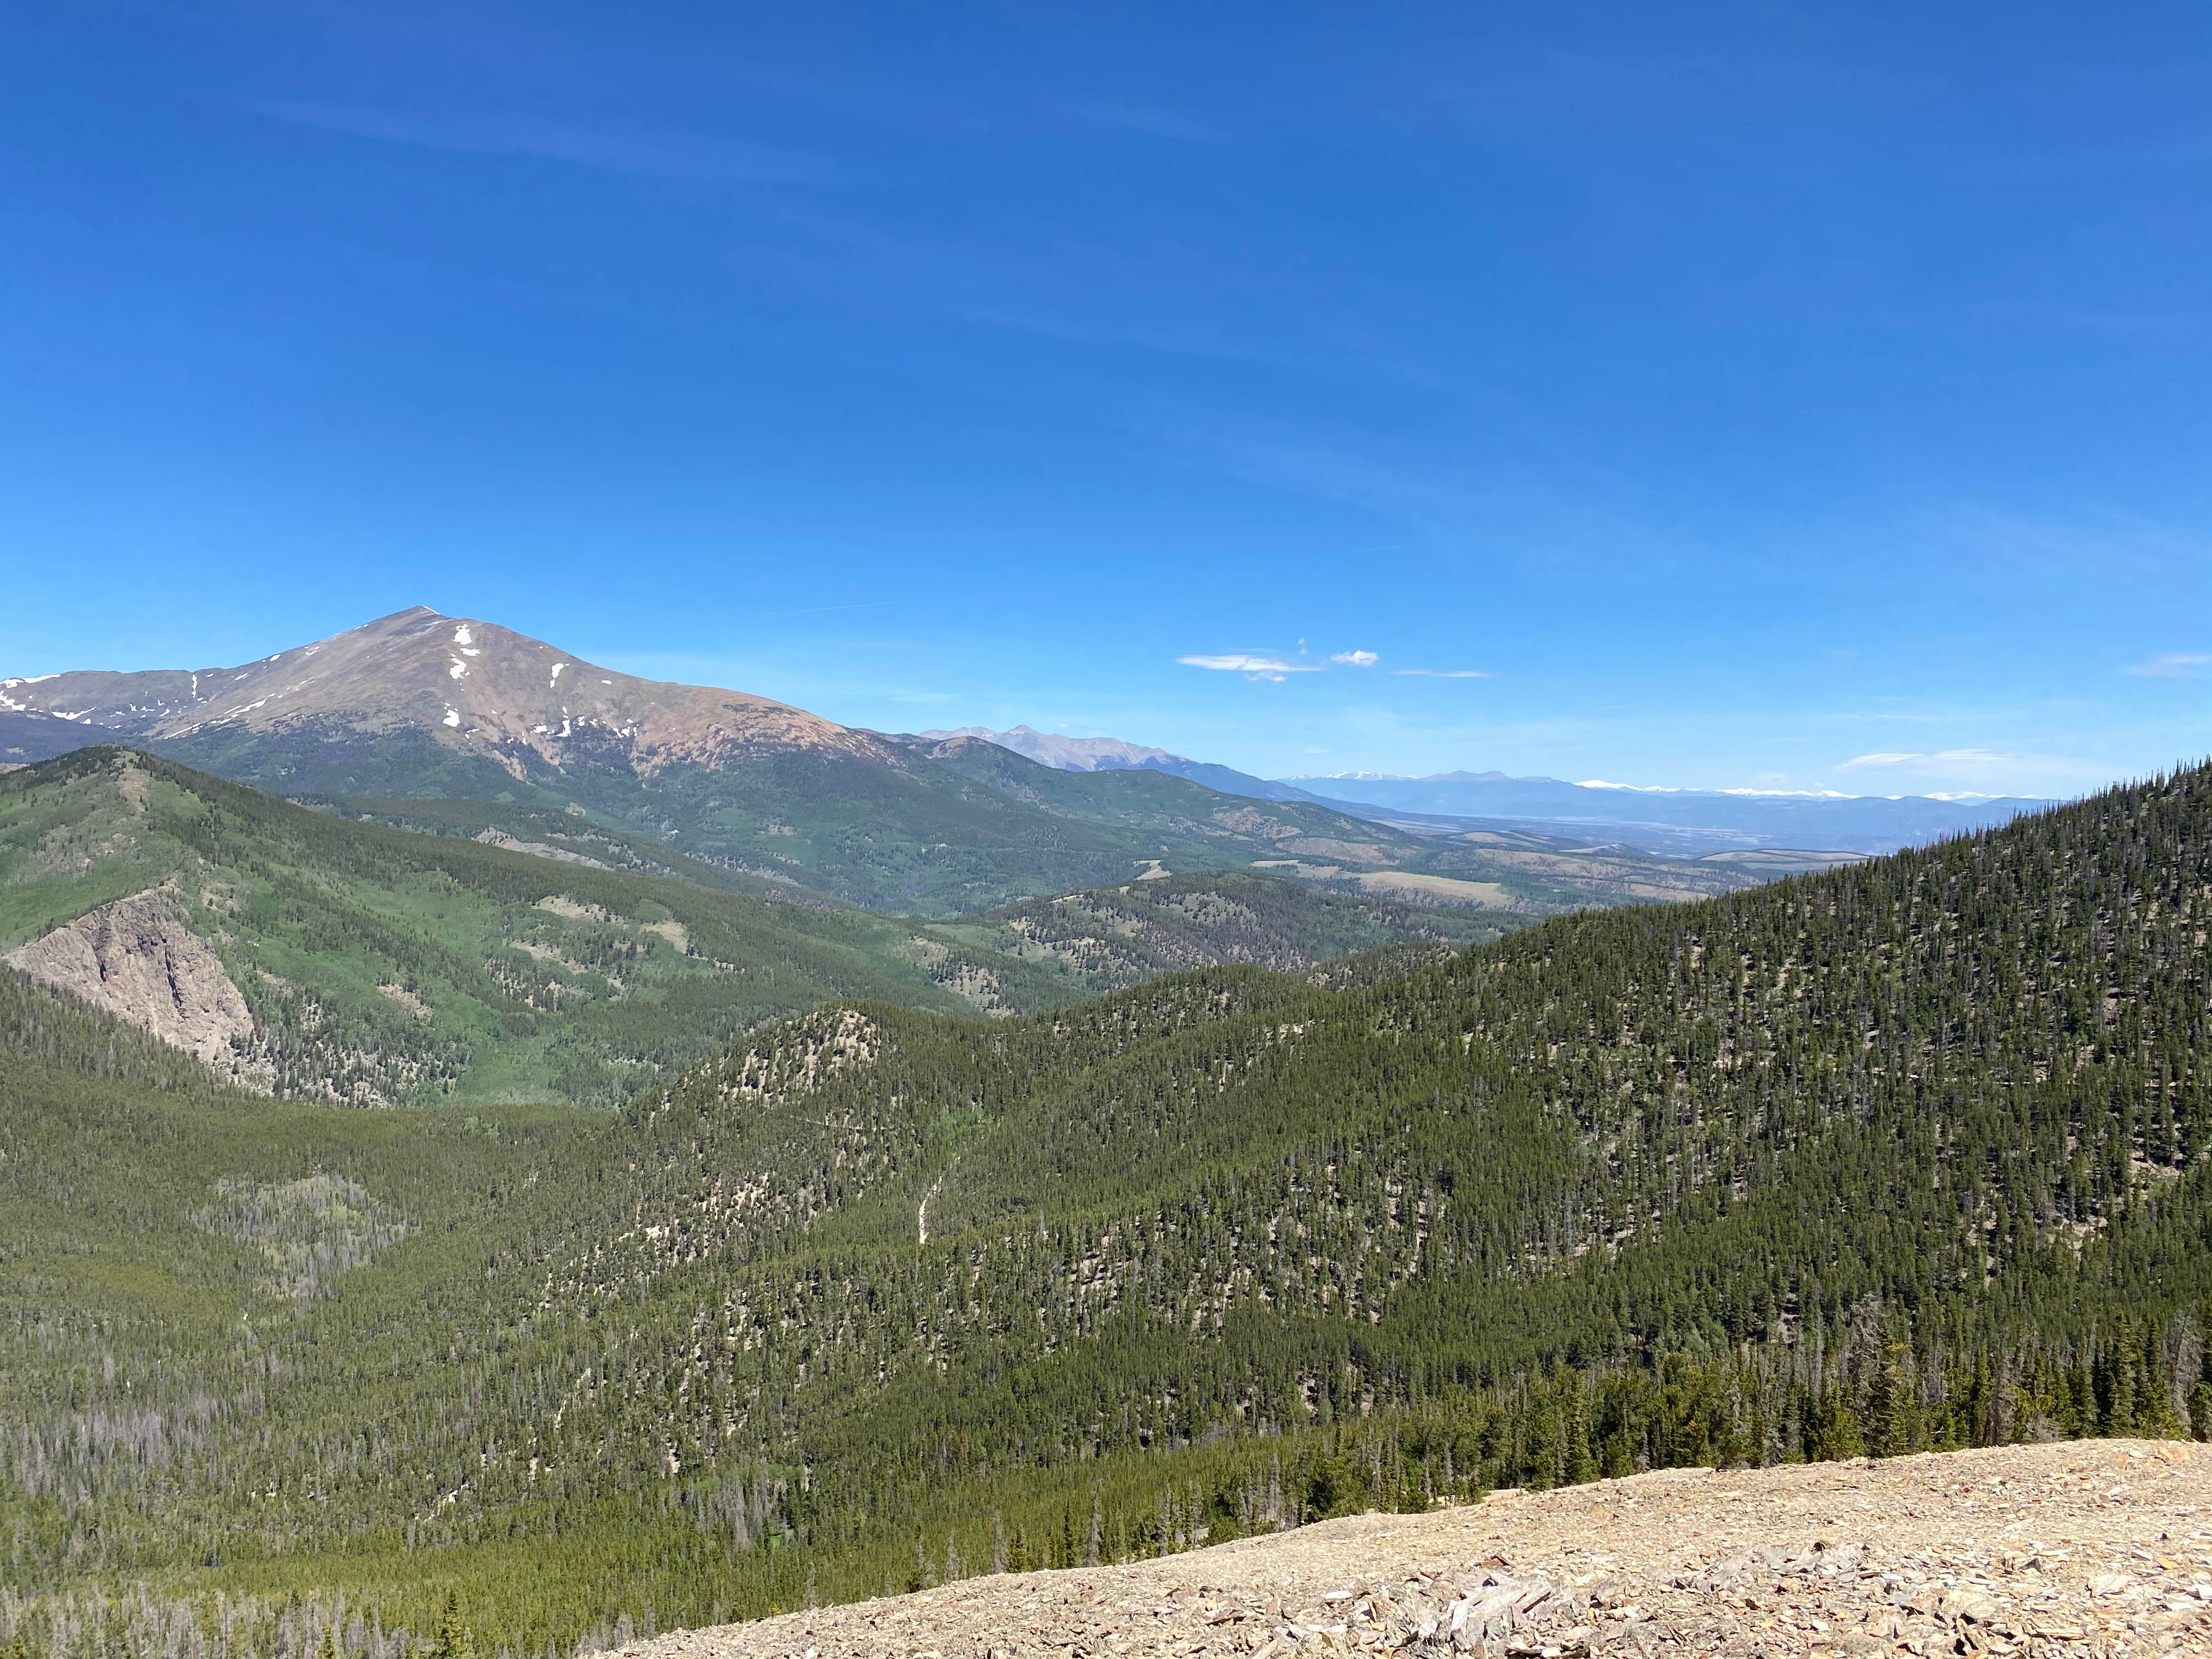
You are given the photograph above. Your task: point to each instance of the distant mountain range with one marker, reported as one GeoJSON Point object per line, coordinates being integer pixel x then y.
{"type": "Point", "coordinates": [1677, 822]}
{"type": "Point", "coordinates": [1683, 821]}
{"type": "Point", "coordinates": [458, 725]}
{"type": "Point", "coordinates": [417, 706]}
{"type": "Point", "coordinates": [1112, 755]}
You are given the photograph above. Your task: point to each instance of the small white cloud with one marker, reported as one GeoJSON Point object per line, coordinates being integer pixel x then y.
{"type": "Point", "coordinates": [1356, 659]}
{"type": "Point", "coordinates": [1254, 665]}
{"type": "Point", "coordinates": [2171, 666]}
{"type": "Point", "coordinates": [1447, 673]}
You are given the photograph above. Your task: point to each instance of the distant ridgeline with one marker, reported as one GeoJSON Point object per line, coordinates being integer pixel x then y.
{"type": "Point", "coordinates": [1911, 1154]}
{"type": "Point", "coordinates": [455, 725]}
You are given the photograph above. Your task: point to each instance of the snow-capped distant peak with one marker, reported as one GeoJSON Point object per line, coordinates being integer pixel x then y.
{"type": "Point", "coordinates": [1061, 753]}
{"type": "Point", "coordinates": [1795, 795]}
{"type": "Point", "coordinates": [6, 686]}
{"type": "Point", "coordinates": [1683, 789]}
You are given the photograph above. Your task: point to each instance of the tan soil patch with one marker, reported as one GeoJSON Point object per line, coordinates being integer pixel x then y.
{"type": "Point", "coordinates": [1487, 894]}
{"type": "Point", "coordinates": [530, 947]}
{"type": "Point", "coordinates": [407, 999]}
{"type": "Point", "coordinates": [562, 905]}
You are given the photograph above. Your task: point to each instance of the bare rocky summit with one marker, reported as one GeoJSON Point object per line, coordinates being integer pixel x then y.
{"type": "Point", "coordinates": [2078, 1548]}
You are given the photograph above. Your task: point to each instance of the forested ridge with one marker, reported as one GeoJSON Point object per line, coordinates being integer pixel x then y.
{"type": "Point", "coordinates": [1907, 1154]}
{"type": "Point", "coordinates": [1112, 937]}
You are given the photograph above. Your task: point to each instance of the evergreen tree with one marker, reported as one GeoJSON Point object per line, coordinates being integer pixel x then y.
{"type": "Point", "coordinates": [454, 1639]}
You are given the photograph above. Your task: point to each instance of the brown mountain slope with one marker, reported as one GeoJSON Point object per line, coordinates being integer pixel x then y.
{"type": "Point", "coordinates": [475, 687]}
{"type": "Point", "coordinates": [2099, 1547]}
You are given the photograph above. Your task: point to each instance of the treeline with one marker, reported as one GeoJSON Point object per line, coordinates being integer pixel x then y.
{"type": "Point", "coordinates": [694, 1553]}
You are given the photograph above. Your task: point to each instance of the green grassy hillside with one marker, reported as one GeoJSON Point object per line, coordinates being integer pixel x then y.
{"type": "Point", "coordinates": [381, 967]}
{"type": "Point", "coordinates": [1914, 1154]}
{"type": "Point", "coordinates": [580, 964]}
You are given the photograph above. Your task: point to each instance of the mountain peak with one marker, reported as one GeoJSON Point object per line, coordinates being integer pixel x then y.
{"type": "Point", "coordinates": [470, 686]}
{"type": "Point", "coordinates": [1065, 754]}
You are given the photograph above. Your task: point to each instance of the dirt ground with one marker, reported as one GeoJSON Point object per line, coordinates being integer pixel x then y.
{"type": "Point", "coordinates": [2097, 1547]}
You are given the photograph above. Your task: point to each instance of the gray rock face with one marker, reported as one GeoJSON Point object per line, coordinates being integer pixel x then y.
{"type": "Point", "coordinates": [136, 959]}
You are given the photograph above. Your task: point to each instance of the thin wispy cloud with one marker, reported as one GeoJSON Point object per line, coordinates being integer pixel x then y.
{"type": "Point", "coordinates": [1939, 758]}
{"type": "Point", "coordinates": [1202, 340]}
{"type": "Point", "coordinates": [1356, 658]}
{"type": "Point", "coordinates": [1254, 665]}
{"type": "Point", "coordinates": [1984, 771]}
{"type": "Point", "coordinates": [1446, 673]}
{"type": "Point", "coordinates": [1142, 121]}
{"type": "Point", "coordinates": [2172, 666]}
{"type": "Point", "coordinates": [666, 154]}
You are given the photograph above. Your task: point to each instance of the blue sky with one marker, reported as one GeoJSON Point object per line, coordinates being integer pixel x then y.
{"type": "Point", "coordinates": [1802, 397]}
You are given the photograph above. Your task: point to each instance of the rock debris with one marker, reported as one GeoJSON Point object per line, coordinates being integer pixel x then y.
{"type": "Point", "coordinates": [2085, 1549]}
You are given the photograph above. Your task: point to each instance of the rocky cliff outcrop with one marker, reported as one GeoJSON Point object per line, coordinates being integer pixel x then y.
{"type": "Point", "coordinates": [136, 959]}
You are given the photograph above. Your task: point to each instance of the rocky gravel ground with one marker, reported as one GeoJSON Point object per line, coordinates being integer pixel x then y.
{"type": "Point", "coordinates": [2080, 1548]}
